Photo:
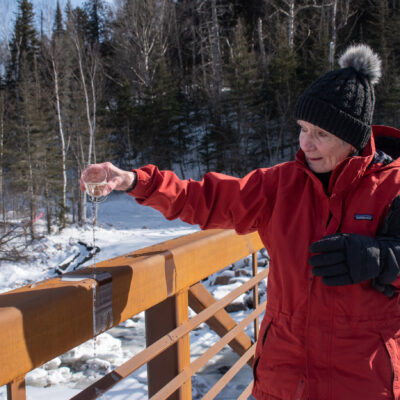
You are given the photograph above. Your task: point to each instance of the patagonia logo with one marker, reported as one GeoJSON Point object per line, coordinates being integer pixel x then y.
{"type": "Point", "coordinates": [363, 217]}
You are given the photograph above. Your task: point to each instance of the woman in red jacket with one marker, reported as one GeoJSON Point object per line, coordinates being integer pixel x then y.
{"type": "Point", "coordinates": [330, 221]}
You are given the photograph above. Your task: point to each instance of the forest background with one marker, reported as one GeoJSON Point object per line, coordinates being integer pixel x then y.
{"type": "Point", "coordinates": [189, 85]}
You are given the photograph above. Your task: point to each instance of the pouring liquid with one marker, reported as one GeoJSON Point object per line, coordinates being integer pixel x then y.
{"type": "Point", "coordinates": [94, 292]}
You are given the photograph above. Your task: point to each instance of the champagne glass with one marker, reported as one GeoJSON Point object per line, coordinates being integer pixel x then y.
{"type": "Point", "coordinates": [95, 179]}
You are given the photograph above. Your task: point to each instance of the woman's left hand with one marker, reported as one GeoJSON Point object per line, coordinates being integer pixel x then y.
{"type": "Point", "coordinates": [348, 258]}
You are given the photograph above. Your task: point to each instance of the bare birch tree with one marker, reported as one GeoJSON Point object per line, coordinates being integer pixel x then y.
{"type": "Point", "coordinates": [4, 55]}
{"type": "Point", "coordinates": [291, 9]}
{"type": "Point", "coordinates": [341, 13]}
{"type": "Point", "coordinates": [2, 183]}
{"type": "Point", "coordinates": [216, 57]}
{"type": "Point", "coordinates": [88, 70]}
{"type": "Point", "coordinates": [260, 36]}
{"type": "Point", "coordinates": [142, 29]}
{"type": "Point", "coordinates": [88, 67]}
{"type": "Point", "coordinates": [53, 50]}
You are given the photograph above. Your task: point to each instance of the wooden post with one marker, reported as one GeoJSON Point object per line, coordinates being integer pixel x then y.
{"type": "Point", "coordinates": [160, 320]}
{"type": "Point", "coordinates": [16, 389]}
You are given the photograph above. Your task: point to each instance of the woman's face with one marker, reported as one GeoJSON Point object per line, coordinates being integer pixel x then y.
{"type": "Point", "coordinates": [323, 150]}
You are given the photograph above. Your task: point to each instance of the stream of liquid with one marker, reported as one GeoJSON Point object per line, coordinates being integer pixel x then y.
{"type": "Point", "coordinates": [94, 292]}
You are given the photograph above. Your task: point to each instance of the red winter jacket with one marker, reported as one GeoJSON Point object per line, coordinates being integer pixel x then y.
{"type": "Point", "coordinates": [317, 342]}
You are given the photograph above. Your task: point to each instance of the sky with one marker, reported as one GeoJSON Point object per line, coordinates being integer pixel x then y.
{"type": "Point", "coordinates": [9, 7]}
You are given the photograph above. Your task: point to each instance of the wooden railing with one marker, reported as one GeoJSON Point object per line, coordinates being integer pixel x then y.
{"type": "Point", "coordinates": [44, 320]}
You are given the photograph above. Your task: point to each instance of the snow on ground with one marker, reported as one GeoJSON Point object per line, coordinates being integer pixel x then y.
{"type": "Point", "coordinates": [123, 226]}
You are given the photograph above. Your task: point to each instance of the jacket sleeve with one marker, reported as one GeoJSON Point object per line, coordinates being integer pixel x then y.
{"type": "Point", "coordinates": [389, 240]}
{"type": "Point", "coordinates": [389, 258]}
{"type": "Point", "coordinates": [217, 201]}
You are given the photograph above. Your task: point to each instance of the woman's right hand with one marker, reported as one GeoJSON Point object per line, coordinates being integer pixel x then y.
{"type": "Point", "coordinates": [117, 179]}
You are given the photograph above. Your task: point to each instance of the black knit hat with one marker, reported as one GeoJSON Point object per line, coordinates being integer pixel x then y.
{"type": "Point", "coordinates": [342, 101]}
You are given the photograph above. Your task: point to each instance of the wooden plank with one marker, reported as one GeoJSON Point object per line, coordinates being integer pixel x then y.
{"type": "Point", "coordinates": [221, 322]}
{"type": "Point", "coordinates": [60, 313]}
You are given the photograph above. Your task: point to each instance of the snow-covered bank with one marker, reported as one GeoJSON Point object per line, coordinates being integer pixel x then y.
{"type": "Point", "coordinates": [123, 226]}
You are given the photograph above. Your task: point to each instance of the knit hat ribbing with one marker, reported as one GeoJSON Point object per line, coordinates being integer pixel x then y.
{"type": "Point", "coordinates": [342, 101]}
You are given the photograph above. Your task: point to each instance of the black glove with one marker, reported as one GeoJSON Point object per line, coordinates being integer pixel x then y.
{"type": "Point", "coordinates": [347, 258]}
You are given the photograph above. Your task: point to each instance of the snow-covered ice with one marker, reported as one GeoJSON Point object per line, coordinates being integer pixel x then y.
{"type": "Point", "coordinates": [123, 226]}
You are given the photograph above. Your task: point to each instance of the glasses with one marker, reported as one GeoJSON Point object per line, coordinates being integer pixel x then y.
{"type": "Point", "coordinates": [95, 179]}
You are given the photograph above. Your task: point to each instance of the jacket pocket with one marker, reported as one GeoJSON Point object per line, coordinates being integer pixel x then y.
{"type": "Point", "coordinates": [392, 346]}
{"type": "Point", "coordinates": [261, 351]}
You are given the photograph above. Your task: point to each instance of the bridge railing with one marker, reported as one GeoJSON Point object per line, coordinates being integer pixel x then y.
{"type": "Point", "coordinates": [44, 320]}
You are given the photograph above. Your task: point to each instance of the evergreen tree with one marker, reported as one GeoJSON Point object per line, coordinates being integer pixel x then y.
{"type": "Point", "coordinates": [157, 120]}
{"type": "Point", "coordinates": [96, 20]}
{"type": "Point", "coordinates": [23, 138]}
{"type": "Point", "coordinates": [281, 93]}
{"type": "Point", "coordinates": [58, 28]}
{"type": "Point", "coordinates": [240, 105]}
{"type": "Point", "coordinates": [24, 44]}
{"type": "Point", "coordinates": [382, 22]}
{"type": "Point", "coordinates": [27, 137]}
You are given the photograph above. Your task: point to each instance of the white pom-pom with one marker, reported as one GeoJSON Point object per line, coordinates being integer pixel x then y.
{"type": "Point", "coordinates": [362, 59]}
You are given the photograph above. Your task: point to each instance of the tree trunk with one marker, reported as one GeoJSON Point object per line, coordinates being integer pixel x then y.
{"type": "Point", "coordinates": [91, 113]}
{"type": "Point", "coordinates": [82, 217]}
{"type": "Point", "coordinates": [63, 147]}
{"type": "Point", "coordinates": [2, 185]}
{"type": "Point", "coordinates": [48, 206]}
{"type": "Point", "coordinates": [91, 123]}
{"type": "Point", "coordinates": [262, 48]}
{"type": "Point", "coordinates": [291, 24]}
{"type": "Point", "coordinates": [177, 40]}
{"type": "Point", "coordinates": [216, 63]}
{"type": "Point", "coordinates": [203, 66]}
{"type": "Point", "coordinates": [332, 49]}
{"type": "Point", "coordinates": [32, 202]}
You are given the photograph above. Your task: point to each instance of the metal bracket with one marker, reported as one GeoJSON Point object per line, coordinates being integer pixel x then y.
{"type": "Point", "coordinates": [102, 307]}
